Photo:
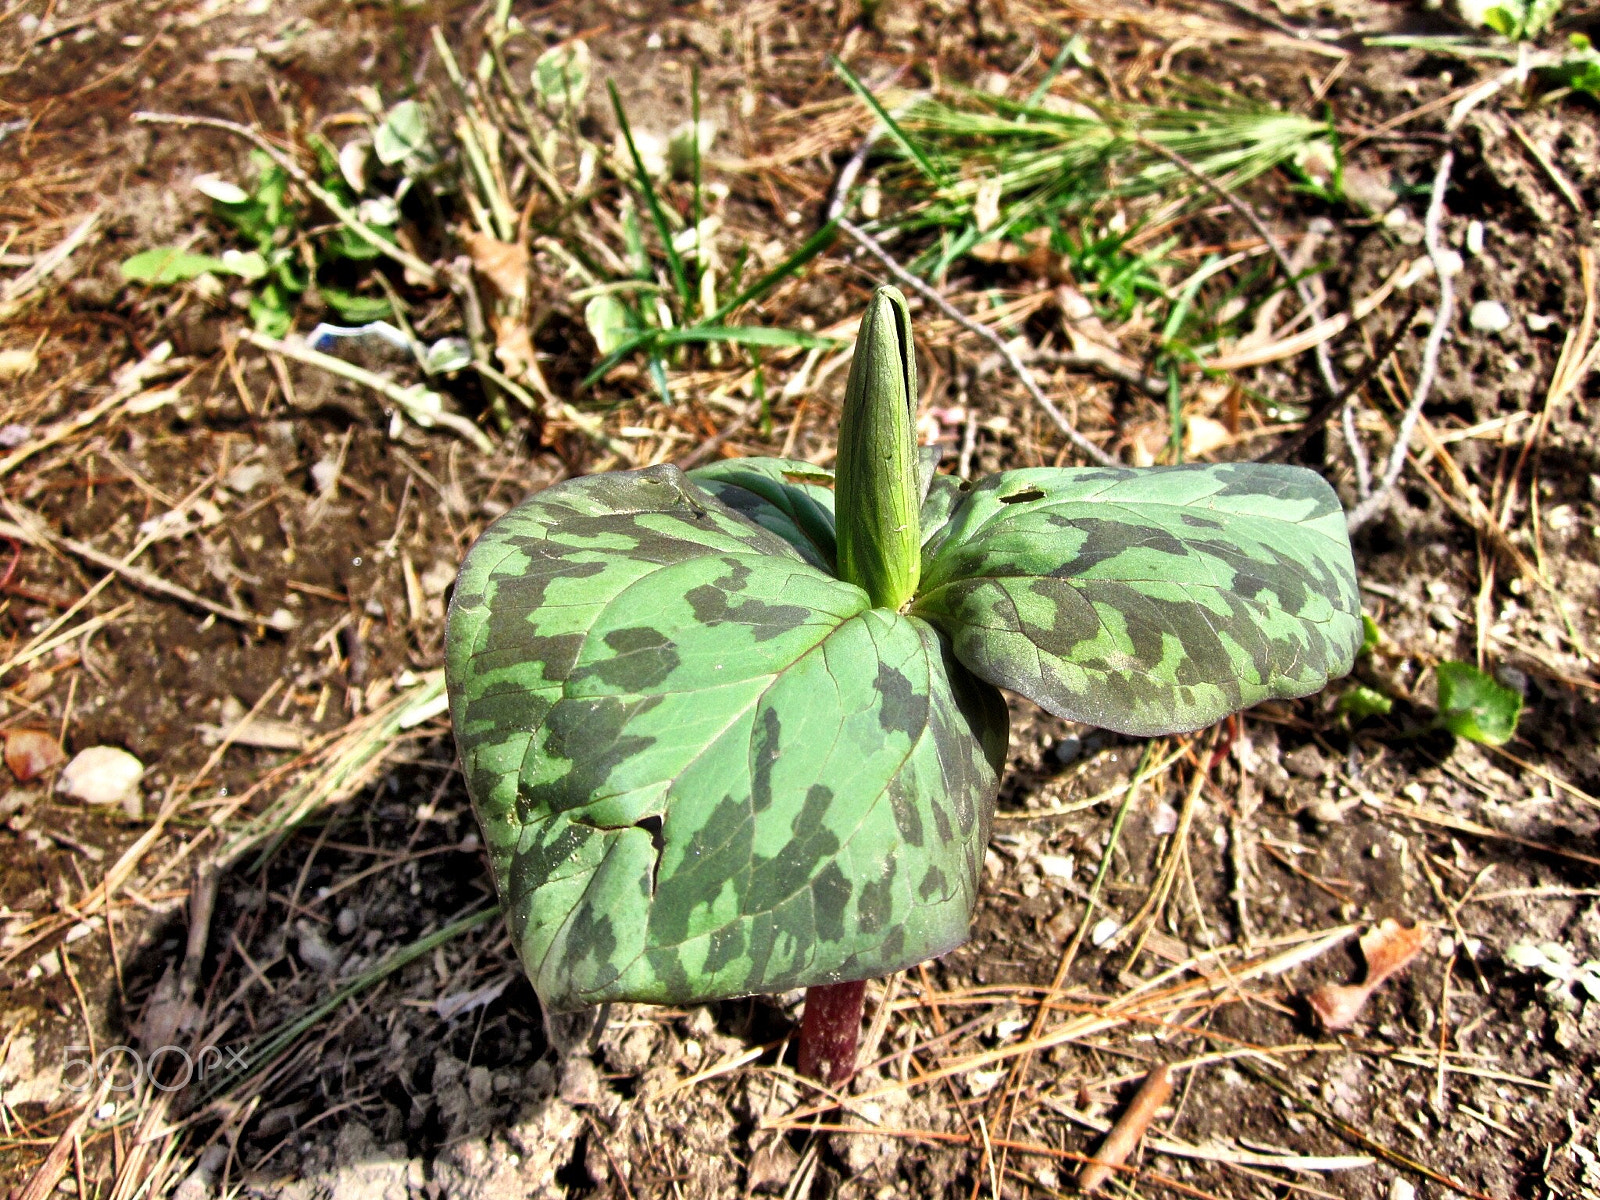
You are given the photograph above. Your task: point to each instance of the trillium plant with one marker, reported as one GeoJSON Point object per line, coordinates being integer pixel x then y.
{"type": "Point", "coordinates": [739, 730]}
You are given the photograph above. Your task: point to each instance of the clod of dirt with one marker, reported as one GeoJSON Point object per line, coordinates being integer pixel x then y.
{"type": "Point", "coordinates": [32, 752]}
{"type": "Point", "coordinates": [1307, 762]}
{"type": "Point", "coordinates": [104, 775]}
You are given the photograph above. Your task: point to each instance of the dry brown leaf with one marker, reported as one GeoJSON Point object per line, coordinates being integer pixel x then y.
{"type": "Point", "coordinates": [1202, 435]}
{"type": "Point", "coordinates": [1388, 947]}
{"type": "Point", "coordinates": [503, 264]}
{"type": "Point", "coordinates": [32, 752]}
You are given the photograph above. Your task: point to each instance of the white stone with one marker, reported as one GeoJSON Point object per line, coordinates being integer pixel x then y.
{"type": "Point", "coordinates": [102, 775]}
{"type": "Point", "coordinates": [1489, 316]}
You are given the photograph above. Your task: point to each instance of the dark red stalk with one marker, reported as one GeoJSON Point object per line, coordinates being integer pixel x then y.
{"type": "Point", "coordinates": [830, 1030]}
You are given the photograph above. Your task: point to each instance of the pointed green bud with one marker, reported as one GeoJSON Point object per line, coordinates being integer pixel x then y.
{"type": "Point", "coordinates": [875, 489]}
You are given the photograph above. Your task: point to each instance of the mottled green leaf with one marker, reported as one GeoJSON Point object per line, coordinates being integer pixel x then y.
{"type": "Point", "coordinates": [787, 496]}
{"type": "Point", "coordinates": [705, 767]}
{"type": "Point", "coordinates": [1477, 706]}
{"type": "Point", "coordinates": [1149, 601]}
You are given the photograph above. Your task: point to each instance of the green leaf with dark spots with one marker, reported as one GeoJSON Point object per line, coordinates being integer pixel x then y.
{"type": "Point", "coordinates": [1151, 601]}
{"type": "Point", "coordinates": [704, 766]}
{"type": "Point", "coordinates": [789, 497]}
{"type": "Point", "coordinates": [707, 765]}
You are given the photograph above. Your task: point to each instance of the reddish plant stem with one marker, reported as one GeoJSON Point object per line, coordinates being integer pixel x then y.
{"type": "Point", "coordinates": [830, 1030]}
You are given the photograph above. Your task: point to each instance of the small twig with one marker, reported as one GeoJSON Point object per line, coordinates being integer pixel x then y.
{"type": "Point", "coordinates": [1106, 366]}
{"type": "Point", "coordinates": [1364, 376]}
{"type": "Point", "coordinates": [32, 529]}
{"type": "Point", "coordinates": [15, 291]}
{"type": "Point", "coordinates": [1308, 298]}
{"type": "Point", "coordinates": [1352, 1134]}
{"type": "Point", "coordinates": [406, 398]}
{"type": "Point", "coordinates": [1369, 507]}
{"type": "Point", "coordinates": [1130, 1127]}
{"type": "Point", "coordinates": [836, 207]}
{"type": "Point", "coordinates": [717, 440]}
{"type": "Point", "coordinates": [350, 220]}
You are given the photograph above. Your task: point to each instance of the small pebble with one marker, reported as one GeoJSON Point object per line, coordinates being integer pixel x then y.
{"type": "Point", "coordinates": [1539, 322]}
{"type": "Point", "coordinates": [1067, 749]}
{"type": "Point", "coordinates": [103, 775]}
{"type": "Point", "coordinates": [1475, 237]}
{"type": "Point", "coordinates": [1489, 316]}
{"type": "Point", "coordinates": [346, 922]}
{"type": "Point", "coordinates": [1057, 866]}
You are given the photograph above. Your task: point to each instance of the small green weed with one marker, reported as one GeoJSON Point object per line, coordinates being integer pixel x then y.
{"type": "Point", "coordinates": [279, 252]}
{"type": "Point", "coordinates": [1519, 20]}
{"type": "Point", "coordinates": [1476, 706]}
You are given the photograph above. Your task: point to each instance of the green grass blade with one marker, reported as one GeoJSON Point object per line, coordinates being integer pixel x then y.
{"type": "Point", "coordinates": [1057, 64]}
{"type": "Point", "coordinates": [747, 335]}
{"type": "Point", "coordinates": [694, 149]}
{"type": "Point", "coordinates": [889, 123]}
{"type": "Point", "coordinates": [265, 1051]}
{"type": "Point", "coordinates": [809, 249]}
{"type": "Point", "coordinates": [606, 365]}
{"type": "Point", "coordinates": [680, 281]}
{"type": "Point", "coordinates": [740, 335]}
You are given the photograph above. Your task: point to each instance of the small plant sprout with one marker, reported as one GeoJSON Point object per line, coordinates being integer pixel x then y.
{"type": "Point", "coordinates": [739, 730]}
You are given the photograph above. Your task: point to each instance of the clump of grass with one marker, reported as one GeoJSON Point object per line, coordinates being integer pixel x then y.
{"type": "Point", "coordinates": [1052, 155]}
{"type": "Point", "coordinates": [1097, 184]}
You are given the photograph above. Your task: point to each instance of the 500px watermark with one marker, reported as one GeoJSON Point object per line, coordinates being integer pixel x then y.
{"type": "Point", "coordinates": [122, 1068]}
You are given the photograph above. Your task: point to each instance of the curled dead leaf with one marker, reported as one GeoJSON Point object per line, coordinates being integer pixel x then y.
{"type": "Point", "coordinates": [1388, 947]}
{"type": "Point", "coordinates": [503, 264]}
{"type": "Point", "coordinates": [32, 752]}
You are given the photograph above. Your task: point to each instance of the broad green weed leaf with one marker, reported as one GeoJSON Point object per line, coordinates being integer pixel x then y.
{"type": "Point", "coordinates": [1371, 635]}
{"type": "Point", "coordinates": [704, 767]}
{"type": "Point", "coordinates": [168, 264]}
{"type": "Point", "coordinates": [1150, 601]}
{"type": "Point", "coordinates": [561, 75]}
{"type": "Point", "coordinates": [1361, 702]}
{"type": "Point", "coordinates": [402, 133]}
{"type": "Point", "coordinates": [608, 320]}
{"type": "Point", "coordinates": [355, 309]}
{"type": "Point", "coordinates": [1476, 706]}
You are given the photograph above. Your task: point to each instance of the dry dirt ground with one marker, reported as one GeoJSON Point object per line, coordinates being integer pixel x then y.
{"type": "Point", "coordinates": [255, 894]}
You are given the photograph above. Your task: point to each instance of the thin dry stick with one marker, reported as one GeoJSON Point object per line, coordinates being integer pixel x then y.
{"type": "Point", "coordinates": [33, 530]}
{"type": "Point", "coordinates": [1369, 507]}
{"type": "Point", "coordinates": [1130, 1127]}
{"type": "Point", "coordinates": [350, 220]}
{"type": "Point", "coordinates": [1363, 376]}
{"type": "Point", "coordinates": [14, 291]}
{"type": "Point", "coordinates": [877, 249]}
{"type": "Point", "coordinates": [1308, 298]}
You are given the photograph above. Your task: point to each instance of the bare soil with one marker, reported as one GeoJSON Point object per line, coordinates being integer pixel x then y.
{"type": "Point", "coordinates": [1463, 1074]}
